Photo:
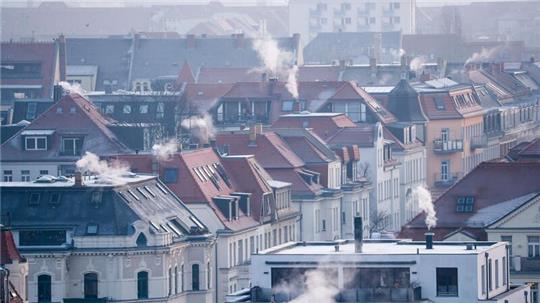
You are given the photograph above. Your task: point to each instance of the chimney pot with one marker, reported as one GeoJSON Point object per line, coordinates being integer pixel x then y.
{"type": "Point", "coordinates": [358, 234]}
{"type": "Point", "coordinates": [78, 179]}
{"type": "Point", "coordinates": [429, 240]}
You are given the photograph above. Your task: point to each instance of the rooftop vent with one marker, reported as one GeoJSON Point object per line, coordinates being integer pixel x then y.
{"type": "Point", "coordinates": [429, 240]}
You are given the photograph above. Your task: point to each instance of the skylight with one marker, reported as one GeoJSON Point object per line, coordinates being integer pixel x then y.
{"type": "Point", "coordinates": [161, 188]}
{"type": "Point", "coordinates": [465, 204]}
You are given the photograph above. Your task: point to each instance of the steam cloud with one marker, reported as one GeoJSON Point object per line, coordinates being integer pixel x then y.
{"type": "Point", "coordinates": [315, 286]}
{"type": "Point", "coordinates": [165, 150]}
{"type": "Point", "coordinates": [201, 126]}
{"type": "Point", "coordinates": [278, 62]}
{"type": "Point", "coordinates": [417, 64]}
{"type": "Point", "coordinates": [426, 205]}
{"type": "Point", "coordinates": [106, 172]}
{"type": "Point", "coordinates": [485, 55]}
{"type": "Point", "coordinates": [72, 88]}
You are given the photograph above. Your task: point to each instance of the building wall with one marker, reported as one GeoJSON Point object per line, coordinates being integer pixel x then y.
{"type": "Point", "coordinates": [34, 169]}
{"type": "Point", "coordinates": [18, 273]}
{"type": "Point", "coordinates": [88, 83]}
{"type": "Point", "coordinates": [321, 218]}
{"type": "Point", "coordinates": [412, 174]}
{"type": "Point", "coordinates": [355, 203]}
{"type": "Point", "coordinates": [350, 16]}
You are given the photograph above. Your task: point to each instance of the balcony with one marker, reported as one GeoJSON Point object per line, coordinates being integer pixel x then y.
{"type": "Point", "coordinates": [446, 181]}
{"type": "Point", "coordinates": [525, 265]}
{"type": "Point", "coordinates": [479, 142]}
{"type": "Point", "coordinates": [447, 146]}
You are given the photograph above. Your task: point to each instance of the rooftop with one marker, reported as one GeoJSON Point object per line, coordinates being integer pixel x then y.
{"type": "Point", "coordinates": [379, 247]}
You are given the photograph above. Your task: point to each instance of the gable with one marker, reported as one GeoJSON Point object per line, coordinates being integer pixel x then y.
{"type": "Point", "coordinates": [526, 216]}
{"type": "Point", "coordinates": [459, 236]}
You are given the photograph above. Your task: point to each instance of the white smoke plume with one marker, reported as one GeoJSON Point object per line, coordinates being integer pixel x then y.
{"type": "Point", "coordinates": [426, 205]}
{"type": "Point", "coordinates": [106, 172]}
{"type": "Point", "coordinates": [313, 285]}
{"type": "Point", "coordinates": [201, 126]}
{"type": "Point", "coordinates": [277, 62]}
{"type": "Point", "coordinates": [163, 151]}
{"type": "Point", "coordinates": [292, 82]}
{"type": "Point", "coordinates": [485, 55]}
{"type": "Point", "coordinates": [72, 88]}
{"type": "Point", "coordinates": [417, 64]}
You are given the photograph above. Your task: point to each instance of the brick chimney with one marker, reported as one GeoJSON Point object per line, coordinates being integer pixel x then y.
{"type": "Point", "coordinates": [373, 63]}
{"type": "Point", "coordinates": [78, 179]}
{"type": "Point", "coordinates": [62, 56]}
{"type": "Point", "coordinates": [191, 42]}
{"type": "Point", "coordinates": [238, 40]}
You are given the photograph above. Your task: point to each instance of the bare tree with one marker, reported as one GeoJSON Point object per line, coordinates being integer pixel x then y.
{"type": "Point", "coordinates": [378, 222]}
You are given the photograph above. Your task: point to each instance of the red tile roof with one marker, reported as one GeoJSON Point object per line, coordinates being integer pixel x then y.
{"type": "Point", "coordinates": [489, 183]}
{"type": "Point", "coordinates": [76, 116]}
{"type": "Point", "coordinates": [8, 250]}
{"type": "Point", "coordinates": [204, 96]}
{"type": "Point", "coordinates": [429, 106]}
{"type": "Point", "coordinates": [32, 52]}
{"type": "Point", "coordinates": [319, 73]}
{"type": "Point", "coordinates": [186, 74]}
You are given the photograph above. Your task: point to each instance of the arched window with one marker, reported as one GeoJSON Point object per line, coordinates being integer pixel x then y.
{"type": "Point", "coordinates": [44, 288]}
{"type": "Point", "coordinates": [91, 285]}
{"type": "Point", "coordinates": [142, 285]}
{"type": "Point", "coordinates": [195, 277]}
{"type": "Point", "coordinates": [141, 240]}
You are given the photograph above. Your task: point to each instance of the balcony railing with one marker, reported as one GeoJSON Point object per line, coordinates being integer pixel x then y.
{"type": "Point", "coordinates": [525, 265]}
{"type": "Point", "coordinates": [447, 146]}
{"type": "Point", "coordinates": [479, 142]}
{"type": "Point", "coordinates": [446, 180]}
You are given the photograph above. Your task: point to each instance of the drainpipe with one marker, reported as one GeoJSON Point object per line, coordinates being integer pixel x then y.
{"type": "Point", "coordinates": [486, 255]}
{"type": "Point", "coordinates": [301, 221]}
{"type": "Point", "coordinates": [507, 267]}
{"type": "Point", "coordinates": [216, 271]}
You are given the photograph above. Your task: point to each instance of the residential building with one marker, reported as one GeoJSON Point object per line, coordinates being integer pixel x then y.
{"type": "Point", "coordinates": [389, 271]}
{"type": "Point", "coordinates": [310, 18]}
{"type": "Point", "coordinates": [525, 151]}
{"type": "Point", "coordinates": [13, 270]}
{"type": "Point", "coordinates": [53, 142]}
{"type": "Point", "coordinates": [93, 239]}
{"type": "Point", "coordinates": [243, 206]}
{"type": "Point", "coordinates": [31, 69]}
{"type": "Point", "coordinates": [313, 190]}
{"type": "Point", "coordinates": [482, 206]}
{"type": "Point", "coordinates": [130, 63]}
{"type": "Point", "coordinates": [353, 48]}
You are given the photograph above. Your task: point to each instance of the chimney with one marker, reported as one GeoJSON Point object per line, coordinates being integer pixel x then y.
{"type": "Point", "coordinates": [264, 77]}
{"type": "Point", "coordinates": [58, 93]}
{"type": "Point", "coordinates": [78, 179]}
{"type": "Point", "coordinates": [256, 129]}
{"type": "Point", "coordinates": [373, 63]}
{"type": "Point", "coordinates": [342, 63]}
{"type": "Point", "coordinates": [403, 62]}
{"type": "Point", "coordinates": [191, 42]}
{"type": "Point", "coordinates": [62, 56]}
{"type": "Point", "coordinates": [358, 234]}
{"type": "Point", "coordinates": [429, 240]}
{"type": "Point", "coordinates": [239, 40]}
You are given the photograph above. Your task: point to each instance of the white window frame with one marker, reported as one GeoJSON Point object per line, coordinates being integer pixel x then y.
{"type": "Point", "coordinates": [35, 138]}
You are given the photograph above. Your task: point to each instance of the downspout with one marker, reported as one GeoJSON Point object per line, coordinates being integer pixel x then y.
{"type": "Point", "coordinates": [301, 221]}
{"type": "Point", "coordinates": [486, 255]}
{"type": "Point", "coordinates": [216, 274]}
{"type": "Point", "coordinates": [507, 267]}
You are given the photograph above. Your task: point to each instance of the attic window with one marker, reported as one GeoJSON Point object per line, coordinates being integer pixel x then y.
{"type": "Point", "coordinates": [54, 199]}
{"type": "Point", "coordinates": [33, 200]}
{"type": "Point", "coordinates": [197, 222]}
{"type": "Point", "coordinates": [175, 230]}
{"type": "Point", "coordinates": [161, 188]}
{"type": "Point", "coordinates": [465, 204]}
{"type": "Point", "coordinates": [155, 226]}
{"type": "Point", "coordinates": [439, 103]}
{"type": "Point", "coordinates": [142, 193]}
{"type": "Point", "coordinates": [149, 191]}
{"type": "Point", "coordinates": [96, 199]}
{"type": "Point", "coordinates": [171, 175]}
{"type": "Point", "coordinates": [133, 195]}
{"type": "Point", "coordinates": [91, 229]}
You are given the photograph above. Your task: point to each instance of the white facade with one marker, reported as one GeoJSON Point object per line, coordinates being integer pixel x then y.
{"type": "Point", "coordinates": [312, 17]}
{"type": "Point", "coordinates": [320, 219]}
{"type": "Point", "coordinates": [445, 273]}
{"type": "Point", "coordinates": [234, 248]}
{"type": "Point", "coordinates": [385, 178]}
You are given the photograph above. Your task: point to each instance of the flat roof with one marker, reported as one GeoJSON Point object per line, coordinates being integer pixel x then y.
{"type": "Point", "coordinates": [380, 247]}
{"type": "Point", "coordinates": [92, 181]}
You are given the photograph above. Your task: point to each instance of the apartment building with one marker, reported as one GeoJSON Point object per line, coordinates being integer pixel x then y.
{"type": "Point", "coordinates": [243, 206]}
{"type": "Point", "coordinates": [312, 17]}
{"type": "Point", "coordinates": [96, 240]}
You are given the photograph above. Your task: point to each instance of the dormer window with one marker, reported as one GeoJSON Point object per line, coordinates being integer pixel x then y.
{"type": "Point", "coordinates": [35, 143]}
{"type": "Point", "coordinates": [71, 146]}
{"type": "Point", "coordinates": [465, 204]}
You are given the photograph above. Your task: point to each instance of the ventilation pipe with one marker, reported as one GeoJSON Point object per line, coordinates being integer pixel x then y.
{"type": "Point", "coordinates": [429, 240]}
{"type": "Point", "coordinates": [358, 234]}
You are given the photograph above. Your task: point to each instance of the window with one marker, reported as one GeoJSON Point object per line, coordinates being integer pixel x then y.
{"type": "Point", "coordinates": [504, 269]}
{"type": "Point", "coordinates": [195, 277]}
{"type": "Point", "coordinates": [142, 285]}
{"type": "Point", "coordinates": [287, 105]}
{"type": "Point", "coordinates": [160, 110]}
{"type": "Point", "coordinates": [439, 103]}
{"type": "Point", "coordinates": [496, 274]}
{"type": "Point", "coordinates": [323, 225]}
{"type": "Point", "coordinates": [91, 285]}
{"type": "Point", "coordinates": [372, 20]}
{"type": "Point", "coordinates": [176, 279]}
{"type": "Point", "coordinates": [465, 204]}
{"type": "Point", "coordinates": [31, 111]}
{"type": "Point", "coordinates": [445, 169]}
{"type": "Point", "coordinates": [143, 109]}
{"type": "Point", "coordinates": [182, 278]}
{"type": "Point", "coordinates": [490, 275]}
{"type": "Point", "coordinates": [25, 175]}
{"type": "Point", "coordinates": [141, 240]}
{"type": "Point", "coordinates": [42, 237]}
{"type": "Point", "coordinates": [534, 246]}
{"type": "Point", "coordinates": [126, 109]}
{"type": "Point", "coordinates": [33, 199]}
{"type": "Point", "coordinates": [171, 175]}
{"type": "Point", "coordinates": [445, 134]}
{"type": "Point", "coordinates": [35, 143]}
{"type": "Point", "coordinates": [483, 286]}
{"type": "Point", "coordinates": [54, 199]}
{"type": "Point", "coordinates": [447, 282]}
{"type": "Point", "coordinates": [170, 281]}
{"type": "Point", "coordinates": [43, 172]}
{"type": "Point", "coordinates": [208, 275]}
{"type": "Point", "coordinates": [8, 176]}
{"type": "Point", "coordinates": [109, 109]}
{"type": "Point", "coordinates": [71, 146]}
{"type": "Point", "coordinates": [509, 240]}
{"type": "Point", "coordinates": [396, 5]}
{"type": "Point", "coordinates": [91, 229]}
{"type": "Point", "coordinates": [44, 288]}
